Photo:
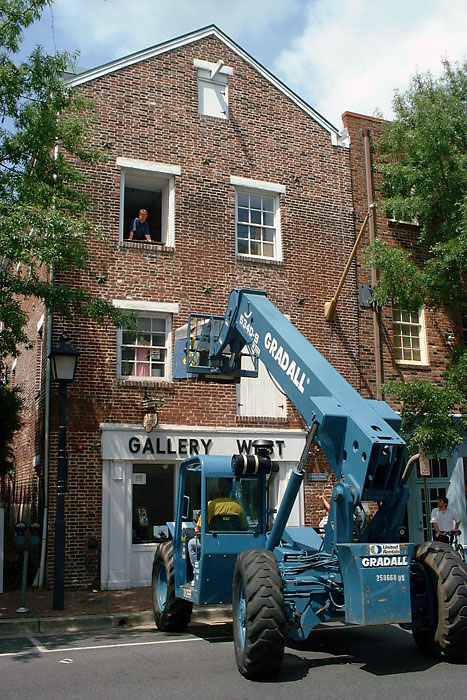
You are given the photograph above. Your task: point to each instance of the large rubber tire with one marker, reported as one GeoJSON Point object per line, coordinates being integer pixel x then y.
{"type": "Point", "coordinates": [448, 575]}
{"type": "Point", "coordinates": [171, 614]}
{"type": "Point", "coordinates": [258, 614]}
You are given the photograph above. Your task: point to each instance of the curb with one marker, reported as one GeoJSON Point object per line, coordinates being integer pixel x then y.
{"type": "Point", "coordinates": [83, 623]}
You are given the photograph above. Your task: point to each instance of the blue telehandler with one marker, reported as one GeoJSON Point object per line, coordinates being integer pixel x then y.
{"type": "Point", "coordinates": [283, 581]}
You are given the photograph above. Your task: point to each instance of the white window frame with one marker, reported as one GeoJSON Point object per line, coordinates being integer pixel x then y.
{"type": "Point", "coordinates": [262, 189]}
{"type": "Point", "coordinates": [213, 88]}
{"type": "Point", "coordinates": [151, 310]}
{"type": "Point", "coordinates": [152, 177]}
{"type": "Point", "coordinates": [421, 336]}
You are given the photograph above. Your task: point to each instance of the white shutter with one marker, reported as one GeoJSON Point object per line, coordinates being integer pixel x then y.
{"type": "Point", "coordinates": [212, 98]}
{"type": "Point", "coordinates": [259, 397]}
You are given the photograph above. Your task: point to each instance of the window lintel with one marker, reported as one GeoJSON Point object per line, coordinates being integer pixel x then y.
{"type": "Point", "coordinates": [213, 69]}
{"type": "Point", "coordinates": [148, 165]}
{"type": "Point", "coordinates": [248, 183]}
{"type": "Point", "coordinates": [150, 306]}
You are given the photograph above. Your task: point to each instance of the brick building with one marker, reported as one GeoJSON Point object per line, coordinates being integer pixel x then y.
{"type": "Point", "coordinates": [246, 186]}
{"type": "Point", "coordinates": [394, 344]}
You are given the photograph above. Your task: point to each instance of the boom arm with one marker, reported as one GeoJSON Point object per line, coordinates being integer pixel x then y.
{"type": "Point", "coordinates": [357, 436]}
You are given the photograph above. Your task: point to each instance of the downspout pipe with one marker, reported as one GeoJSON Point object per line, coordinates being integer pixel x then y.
{"type": "Point", "coordinates": [373, 279]}
{"type": "Point", "coordinates": [46, 439]}
{"type": "Point", "coordinates": [46, 456]}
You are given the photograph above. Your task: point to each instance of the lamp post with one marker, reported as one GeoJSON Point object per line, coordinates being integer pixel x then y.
{"type": "Point", "coordinates": [63, 359]}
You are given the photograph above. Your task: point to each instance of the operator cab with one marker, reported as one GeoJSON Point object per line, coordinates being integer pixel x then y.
{"type": "Point", "coordinates": [229, 511]}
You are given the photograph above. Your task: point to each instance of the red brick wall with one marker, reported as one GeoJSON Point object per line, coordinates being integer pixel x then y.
{"type": "Point", "coordinates": [396, 234]}
{"type": "Point", "coordinates": [30, 366]}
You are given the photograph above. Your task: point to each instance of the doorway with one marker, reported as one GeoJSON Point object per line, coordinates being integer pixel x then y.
{"type": "Point", "coordinates": [153, 488]}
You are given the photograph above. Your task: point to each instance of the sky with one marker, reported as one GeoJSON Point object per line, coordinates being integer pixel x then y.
{"type": "Point", "coordinates": [337, 55]}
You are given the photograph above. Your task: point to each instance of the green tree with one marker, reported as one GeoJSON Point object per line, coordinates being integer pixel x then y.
{"type": "Point", "coordinates": [45, 139]}
{"type": "Point", "coordinates": [45, 135]}
{"type": "Point", "coordinates": [422, 157]}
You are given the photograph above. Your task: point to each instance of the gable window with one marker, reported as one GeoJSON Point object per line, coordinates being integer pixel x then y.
{"type": "Point", "coordinates": [257, 219]}
{"type": "Point", "coordinates": [150, 186]}
{"type": "Point", "coordinates": [213, 88]}
{"type": "Point", "coordinates": [146, 355]}
{"type": "Point", "coordinates": [409, 336]}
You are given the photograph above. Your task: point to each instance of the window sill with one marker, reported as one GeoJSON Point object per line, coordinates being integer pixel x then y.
{"type": "Point", "coordinates": [217, 117]}
{"type": "Point", "coordinates": [263, 420]}
{"type": "Point", "coordinates": [412, 365]}
{"type": "Point", "coordinates": [154, 383]}
{"type": "Point", "coordinates": [249, 260]}
{"type": "Point", "coordinates": [393, 223]}
{"type": "Point", "coordinates": [150, 248]}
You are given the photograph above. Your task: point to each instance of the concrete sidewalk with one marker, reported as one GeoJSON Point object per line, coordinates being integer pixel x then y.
{"type": "Point", "coordinates": [87, 610]}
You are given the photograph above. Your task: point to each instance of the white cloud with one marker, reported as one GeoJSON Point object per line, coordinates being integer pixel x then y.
{"type": "Point", "coordinates": [352, 55]}
{"type": "Point", "coordinates": [118, 27]}
{"type": "Point", "coordinates": [338, 55]}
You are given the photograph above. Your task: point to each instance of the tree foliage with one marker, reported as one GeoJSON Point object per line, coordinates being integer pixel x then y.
{"type": "Point", "coordinates": [422, 157]}
{"type": "Point", "coordinates": [427, 411]}
{"type": "Point", "coordinates": [44, 138]}
{"type": "Point", "coordinates": [45, 131]}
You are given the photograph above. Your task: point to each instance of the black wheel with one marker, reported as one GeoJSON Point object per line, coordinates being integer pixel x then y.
{"type": "Point", "coordinates": [448, 575]}
{"type": "Point", "coordinates": [258, 614]}
{"type": "Point", "coordinates": [171, 614]}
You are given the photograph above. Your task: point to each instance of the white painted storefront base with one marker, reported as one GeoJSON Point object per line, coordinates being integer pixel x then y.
{"type": "Point", "coordinates": [127, 565]}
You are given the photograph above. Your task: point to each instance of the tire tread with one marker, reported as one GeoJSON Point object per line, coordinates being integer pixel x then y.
{"type": "Point", "coordinates": [261, 655]}
{"type": "Point", "coordinates": [177, 612]}
{"type": "Point", "coordinates": [449, 578]}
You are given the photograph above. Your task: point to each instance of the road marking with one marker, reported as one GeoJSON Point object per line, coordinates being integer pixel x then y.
{"type": "Point", "coordinates": [44, 650]}
{"type": "Point", "coordinates": [37, 644]}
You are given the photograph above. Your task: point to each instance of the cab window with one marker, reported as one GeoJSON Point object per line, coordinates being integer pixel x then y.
{"type": "Point", "coordinates": [233, 505]}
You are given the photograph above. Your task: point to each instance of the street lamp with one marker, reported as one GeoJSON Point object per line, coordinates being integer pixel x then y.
{"type": "Point", "coordinates": [63, 359]}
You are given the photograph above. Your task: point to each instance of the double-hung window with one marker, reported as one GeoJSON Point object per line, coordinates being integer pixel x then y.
{"type": "Point", "coordinates": [409, 336]}
{"type": "Point", "coordinates": [257, 219]}
{"type": "Point", "coordinates": [146, 355]}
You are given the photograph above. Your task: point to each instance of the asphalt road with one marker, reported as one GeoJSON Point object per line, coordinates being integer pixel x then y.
{"type": "Point", "coordinates": [371, 663]}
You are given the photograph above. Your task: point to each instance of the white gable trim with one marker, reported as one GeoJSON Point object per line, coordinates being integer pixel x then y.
{"type": "Point", "coordinates": [190, 38]}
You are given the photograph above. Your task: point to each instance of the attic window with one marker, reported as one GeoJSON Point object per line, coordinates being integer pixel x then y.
{"type": "Point", "coordinates": [213, 88]}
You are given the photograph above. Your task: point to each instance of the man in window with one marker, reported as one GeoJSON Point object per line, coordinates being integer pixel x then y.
{"type": "Point", "coordinates": [140, 228]}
